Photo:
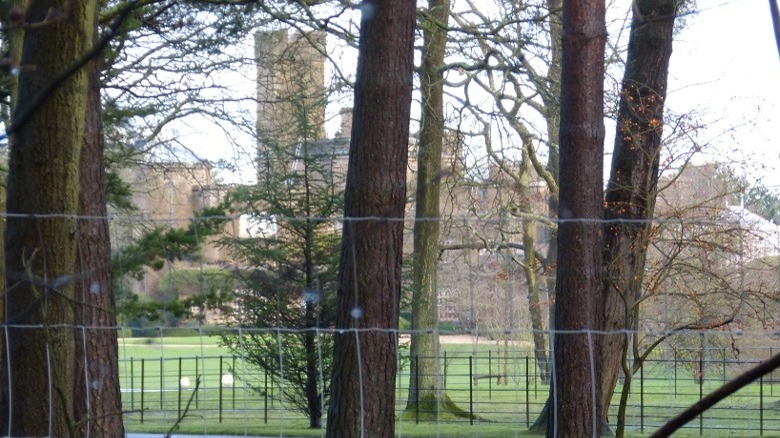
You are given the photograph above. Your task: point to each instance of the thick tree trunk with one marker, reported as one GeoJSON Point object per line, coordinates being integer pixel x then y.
{"type": "Point", "coordinates": [15, 42]}
{"type": "Point", "coordinates": [41, 251]}
{"type": "Point", "coordinates": [631, 191]}
{"type": "Point", "coordinates": [539, 337]}
{"type": "Point", "coordinates": [365, 352]}
{"type": "Point", "coordinates": [580, 235]}
{"type": "Point", "coordinates": [98, 405]}
{"type": "Point", "coordinates": [425, 382]}
{"type": "Point", "coordinates": [552, 105]}
{"type": "Point", "coordinates": [530, 266]}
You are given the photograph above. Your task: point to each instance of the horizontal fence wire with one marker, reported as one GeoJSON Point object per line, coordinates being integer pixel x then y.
{"type": "Point", "coordinates": [493, 382]}
{"type": "Point", "coordinates": [201, 366]}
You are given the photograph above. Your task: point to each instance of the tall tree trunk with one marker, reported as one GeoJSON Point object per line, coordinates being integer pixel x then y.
{"type": "Point", "coordinates": [553, 121]}
{"type": "Point", "coordinates": [530, 269]}
{"type": "Point", "coordinates": [631, 191]}
{"type": "Point", "coordinates": [15, 35]}
{"type": "Point", "coordinates": [552, 105]}
{"type": "Point", "coordinates": [580, 234]}
{"type": "Point", "coordinates": [98, 404]}
{"type": "Point", "coordinates": [15, 45]}
{"type": "Point", "coordinates": [41, 251]}
{"type": "Point", "coordinates": [425, 382]}
{"type": "Point", "coordinates": [365, 351]}
{"type": "Point", "coordinates": [312, 387]}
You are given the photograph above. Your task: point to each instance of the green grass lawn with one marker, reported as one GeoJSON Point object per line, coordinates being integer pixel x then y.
{"type": "Point", "coordinates": [158, 378]}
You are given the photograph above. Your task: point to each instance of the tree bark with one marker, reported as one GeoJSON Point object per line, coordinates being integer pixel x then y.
{"type": "Point", "coordinates": [530, 267]}
{"type": "Point", "coordinates": [312, 386]}
{"type": "Point", "coordinates": [41, 250]}
{"type": "Point", "coordinates": [425, 383]}
{"type": "Point", "coordinates": [580, 236]}
{"type": "Point", "coordinates": [314, 397]}
{"type": "Point", "coordinates": [15, 41]}
{"type": "Point", "coordinates": [631, 191]}
{"type": "Point", "coordinates": [365, 352]}
{"type": "Point", "coordinates": [98, 405]}
{"type": "Point", "coordinates": [552, 104]}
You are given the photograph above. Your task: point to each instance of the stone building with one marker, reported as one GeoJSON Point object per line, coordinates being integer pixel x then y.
{"type": "Point", "coordinates": [291, 94]}
{"type": "Point", "coordinates": [171, 194]}
{"type": "Point", "coordinates": [291, 100]}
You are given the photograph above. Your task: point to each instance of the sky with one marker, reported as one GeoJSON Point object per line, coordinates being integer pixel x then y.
{"type": "Point", "coordinates": [724, 74]}
{"type": "Point", "coordinates": [725, 69]}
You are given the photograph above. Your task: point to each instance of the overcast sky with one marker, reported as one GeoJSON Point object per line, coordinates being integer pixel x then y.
{"type": "Point", "coordinates": [724, 72]}
{"type": "Point", "coordinates": [725, 67]}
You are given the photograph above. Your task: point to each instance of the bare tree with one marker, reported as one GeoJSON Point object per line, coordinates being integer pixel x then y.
{"type": "Point", "coordinates": [425, 382]}
{"type": "Point", "coordinates": [500, 53]}
{"type": "Point", "coordinates": [630, 195]}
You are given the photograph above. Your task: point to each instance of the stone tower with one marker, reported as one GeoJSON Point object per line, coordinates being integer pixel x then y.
{"type": "Point", "coordinates": [290, 88]}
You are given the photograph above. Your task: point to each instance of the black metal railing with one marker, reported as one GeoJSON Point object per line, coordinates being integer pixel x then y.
{"type": "Point", "coordinates": [496, 385]}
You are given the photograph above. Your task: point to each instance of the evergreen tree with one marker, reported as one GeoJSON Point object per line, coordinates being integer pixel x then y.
{"type": "Point", "coordinates": [288, 258]}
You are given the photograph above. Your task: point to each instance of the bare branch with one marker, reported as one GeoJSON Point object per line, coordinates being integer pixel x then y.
{"type": "Point", "coordinates": [24, 114]}
{"type": "Point", "coordinates": [716, 396]}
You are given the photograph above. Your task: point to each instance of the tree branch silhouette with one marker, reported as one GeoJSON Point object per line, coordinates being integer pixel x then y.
{"type": "Point", "coordinates": [716, 396]}
{"type": "Point", "coordinates": [24, 114]}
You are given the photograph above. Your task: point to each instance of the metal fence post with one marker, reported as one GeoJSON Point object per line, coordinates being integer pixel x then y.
{"type": "Point", "coordinates": [761, 405]}
{"type": "Point", "coordinates": [179, 392]}
{"type": "Point", "coordinates": [527, 401]}
{"type": "Point", "coordinates": [220, 388]}
{"type": "Point", "coordinates": [197, 390]}
{"type": "Point", "coordinates": [234, 382]}
{"type": "Point", "coordinates": [536, 386]}
{"type": "Point", "coordinates": [771, 376]}
{"type": "Point", "coordinates": [143, 389]}
{"type": "Point", "coordinates": [444, 379]}
{"type": "Point", "coordinates": [701, 390]}
{"type": "Point", "coordinates": [162, 384]}
{"type": "Point", "coordinates": [642, 399]}
{"type": "Point", "coordinates": [265, 399]}
{"type": "Point", "coordinates": [416, 389]}
{"type": "Point", "coordinates": [675, 372]}
{"type": "Point", "coordinates": [490, 373]}
{"type": "Point", "coordinates": [132, 386]}
{"type": "Point", "coordinates": [471, 389]}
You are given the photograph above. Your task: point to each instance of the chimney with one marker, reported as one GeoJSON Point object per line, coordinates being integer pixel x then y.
{"type": "Point", "coordinates": [346, 123]}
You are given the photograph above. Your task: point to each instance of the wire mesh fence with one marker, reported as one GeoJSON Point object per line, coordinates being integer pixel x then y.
{"type": "Point", "coordinates": [491, 383]}
{"type": "Point", "coordinates": [243, 294]}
